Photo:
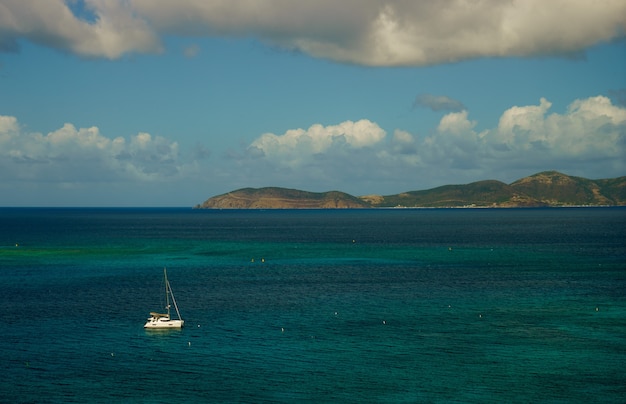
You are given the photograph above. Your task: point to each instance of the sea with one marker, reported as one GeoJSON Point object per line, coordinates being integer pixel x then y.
{"type": "Point", "coordinates": [321, 306]}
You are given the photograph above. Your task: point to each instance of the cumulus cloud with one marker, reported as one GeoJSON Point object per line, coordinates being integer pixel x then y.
{"type": "Point", "coordinates": [71, 154]}
{"type": "Point", "coordinates": [368, 32]}
{"type": "Point", "coordinates": [296, 147]}
{"type": "Point", "coordinates": [589, 139]}
{"type": "Point", "coordinates": [591, 129]}
{"type": "Point", "coordinates": [438, 103]}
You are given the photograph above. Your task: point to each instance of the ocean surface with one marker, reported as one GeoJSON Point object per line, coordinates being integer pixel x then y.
{"type": "Point", "coordinates": [354, 306]}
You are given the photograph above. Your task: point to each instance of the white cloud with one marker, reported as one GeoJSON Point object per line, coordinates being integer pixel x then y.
{"type": "Point", "coordinates": [455, 123]}
{"type": "Point", "coordinates": [8, 124]}
{"type": "Point", "coordinates": [591, 128]}
{"type": "Point", "coordinates": [369, 32]}
{"type": "Point", "coordinates": [297, 146]}
{"type": "Point", "coordinates": [71, 155]}
{"type": "Point", "coordinates": [589, 140]}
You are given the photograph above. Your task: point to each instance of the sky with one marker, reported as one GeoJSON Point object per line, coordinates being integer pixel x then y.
{"type": "Point", "coordinates": [156, 103]}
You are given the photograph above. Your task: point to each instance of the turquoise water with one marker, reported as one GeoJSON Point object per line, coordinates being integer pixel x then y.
{"type": "Point", "coordinates": [446, 305]}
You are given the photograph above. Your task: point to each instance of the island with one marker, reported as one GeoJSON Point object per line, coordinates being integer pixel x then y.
{"type": "Point", "coordinates": [545, 189]}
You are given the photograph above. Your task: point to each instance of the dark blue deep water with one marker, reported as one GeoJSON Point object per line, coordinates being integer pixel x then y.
{"type": "Point", "coordinates": [398, 305]}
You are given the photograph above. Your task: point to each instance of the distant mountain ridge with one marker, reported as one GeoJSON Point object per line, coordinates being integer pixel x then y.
{"type": "Point", "coordinates": [549, 188]}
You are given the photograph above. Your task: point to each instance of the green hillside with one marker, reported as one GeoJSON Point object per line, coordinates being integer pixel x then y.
{"type": "Point", "coordinates": [549, 188]}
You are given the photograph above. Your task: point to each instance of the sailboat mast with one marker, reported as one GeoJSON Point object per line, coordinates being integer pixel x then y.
{"type": "Point", "coordinates": [173, 300]}
{"type": "Point", "coordinates": [167, 293]}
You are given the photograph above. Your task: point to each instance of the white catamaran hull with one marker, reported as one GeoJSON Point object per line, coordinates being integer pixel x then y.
{"type": "Point", "coordinates": [163, 323]}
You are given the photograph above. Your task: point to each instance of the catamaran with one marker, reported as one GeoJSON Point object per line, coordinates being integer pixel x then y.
{"type": "Point", "coordinates": [160, 320]}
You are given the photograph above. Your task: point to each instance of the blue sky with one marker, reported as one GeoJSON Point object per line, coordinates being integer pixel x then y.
{"type": "Point", "coordinates": [160, 103]}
